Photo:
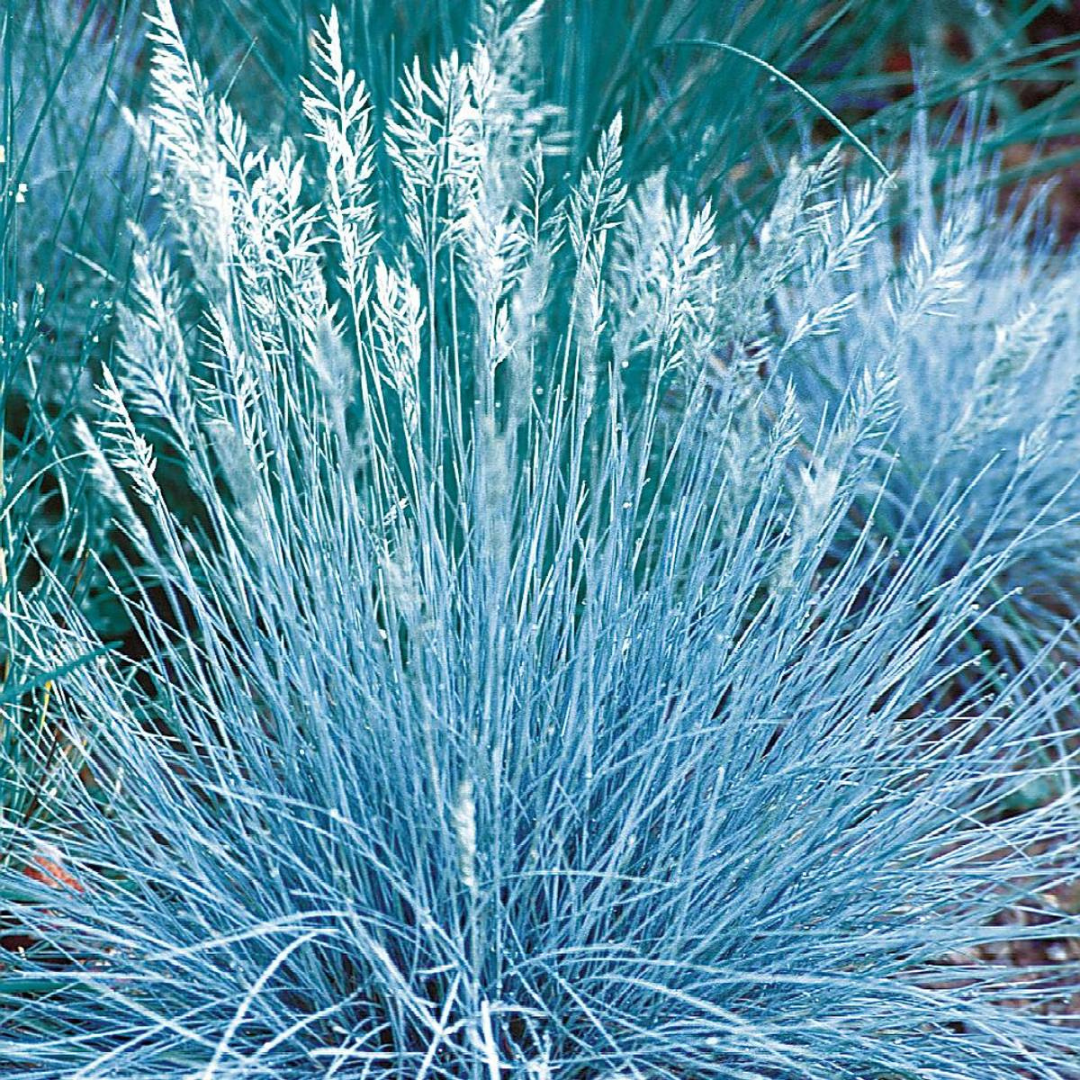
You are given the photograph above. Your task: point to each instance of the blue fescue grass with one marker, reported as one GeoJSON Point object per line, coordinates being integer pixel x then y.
{"type": "Point", "coordinates": [506, 708]}
{"type": "Point", "coordinates": [68, 67]}
{"type": "Point", "coordinates": [712, 118]}
{"type": "Point", "coordinates": [41, 178]}
{"type": "Point", "coordinates": [987, 381]}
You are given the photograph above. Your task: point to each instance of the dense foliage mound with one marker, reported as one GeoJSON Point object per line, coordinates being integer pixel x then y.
{"type": "Point", "coordinates": [531, 682]}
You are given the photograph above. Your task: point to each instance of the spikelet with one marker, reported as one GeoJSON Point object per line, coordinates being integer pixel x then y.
{"type": "Point", "coordinates": [463, 817]}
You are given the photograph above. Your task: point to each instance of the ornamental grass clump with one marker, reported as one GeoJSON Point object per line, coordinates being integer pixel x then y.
{"type": "Point", "coordinates": [987, 378]}
{"type": "Point", "coordinates": [505, 708]}
{"type": "Point", "coordinates": [42, 359]}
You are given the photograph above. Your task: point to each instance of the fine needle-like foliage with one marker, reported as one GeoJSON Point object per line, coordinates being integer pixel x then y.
{"type": "Point", "coordinates": [987, 377]}
{"type": "Point", "coordinates": [506, 710]}
{"type": "Point", "coordinates": [41, 545]}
